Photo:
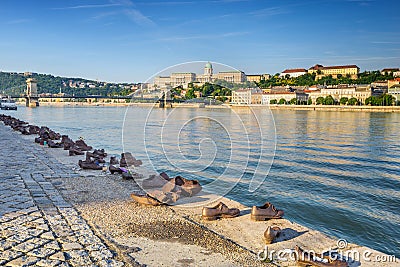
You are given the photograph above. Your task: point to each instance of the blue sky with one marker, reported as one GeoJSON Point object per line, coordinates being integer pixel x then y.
{"type": "Point", "coordinates": [129, 41]}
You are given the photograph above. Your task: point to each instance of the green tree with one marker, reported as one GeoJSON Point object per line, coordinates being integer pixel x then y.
{"type": "Point", "coordinates": [309, 101]}
{"type": "Point", "coordinates": [273, 101]}
{"type": "Point", "coordinates": [190, 94]}
{"type": "Point", "coordinates": [329, 100]}
{"type": "Point", "coordinates": [387, 100]}
{"type": "Point", "coordinates": [320, 101]}
{"type": "Point", "coordinates": [293, 101]}
{"type": "Point", "coordinates": [344, 100]}
{"type": "Point", "coordinates": [352, 101]}
{"type": "Point", "coordinates": [282, 101]}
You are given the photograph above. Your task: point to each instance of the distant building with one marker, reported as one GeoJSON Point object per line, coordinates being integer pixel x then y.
{"type": "Point", "coordinates": [184, 78]}
{"type": "Point", "coordinates": [232, 76]}
{"type": "Point", "coordinates": [396, 74]}
{"type": "Point", "coordinates": [241, 97]}
{"type": "Point", "coordinates": [389, 71]}
{"type": "Point", "coordinates": [321, 71]}
{"type": "Point", "coordinates": [293, 73]}
{"type": "Point", "coordinates": [287, 96]}
{"type": "Point", "coordinates": [246, 96]}
{"type": "Point", "coordinates": [257, 77]}
{"type": "Point", "coordinates": [394, 88]}
{"type": "Point", "coordinates": [359, 92]}
{"type": "Point", "coordinates": [28, 73]}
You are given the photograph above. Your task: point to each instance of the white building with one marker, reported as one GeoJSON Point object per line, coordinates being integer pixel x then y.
{"type": "Point", "coordinates": [266, 98]}
{"type": "Point", "coordinates": [241, 97]}
{"type": "Point", "coordinates": [184, 78]}
{"type": "Point", "coordinates": [293, 73]}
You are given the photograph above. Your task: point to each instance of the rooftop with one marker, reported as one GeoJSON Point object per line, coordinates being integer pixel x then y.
{"type": "Point", "coordinates": [320, 67]}
{"type": "Point", "coordinates": [294, 70]}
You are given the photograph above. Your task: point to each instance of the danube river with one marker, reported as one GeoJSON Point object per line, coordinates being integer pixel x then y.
{"type": "Point", "coordinates": [336, 172]}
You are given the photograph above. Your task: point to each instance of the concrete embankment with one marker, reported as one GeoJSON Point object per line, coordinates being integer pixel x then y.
{"type": "Point", "coordinates": [326, 108]}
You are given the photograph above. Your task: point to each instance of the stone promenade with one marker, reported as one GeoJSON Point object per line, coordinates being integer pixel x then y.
{"type": "Point", "coordinates": [37, 226]}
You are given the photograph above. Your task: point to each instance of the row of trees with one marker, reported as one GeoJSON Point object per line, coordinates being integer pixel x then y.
{"type": "Point", "coordinates": [383, 100]}
{"type": "Point", "coordinates": [206, 90]}
{"type": "Point", "coordinates": [15, 84]}
{"type": "Point", "coordinates": [366, 77]}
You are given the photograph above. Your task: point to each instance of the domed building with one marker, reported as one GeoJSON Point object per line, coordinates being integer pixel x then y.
{"type": "Point", "coordinates": [207, 77]}
{"type": "Point", "coordinates": [184, 78]}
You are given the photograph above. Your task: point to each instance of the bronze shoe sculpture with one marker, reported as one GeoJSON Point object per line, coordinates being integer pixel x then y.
{"type": "Point", "coordinates": [114, 161]}
{"type": "Point", "coordinates": [89, 165]}
{"type": "Point", "coordinates": [271, 233]}
{"type": "Point", "coordinates": [82, 145]}
{"type": "Point", "coordinates": [306, 259]}
{"type": "Point", "coordinates": [266, 211]}
{"type": "Point", "coordinates": [186, 187]}
{"type": "Point", "coordinates": [154, 182]}
{"type": "Point", "coordinates": [145, 199]}
{"type": "Point", "coordinates": [219, 211]}
{"type": "Point", "coordinates": [166, 198]}
{"type": "Point", "coordinates": [113, 169]}
{"type": "Point", "coordinates": [75, 151]}
{"type": "Point", "coordinates": [128, 160]}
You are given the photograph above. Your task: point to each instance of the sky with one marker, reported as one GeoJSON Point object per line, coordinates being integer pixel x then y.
{"type": "Point", "coordinates": [129, 41]}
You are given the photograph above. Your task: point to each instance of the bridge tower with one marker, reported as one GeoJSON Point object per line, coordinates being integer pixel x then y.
{"type": "Point", "coordinates": [31, 96]}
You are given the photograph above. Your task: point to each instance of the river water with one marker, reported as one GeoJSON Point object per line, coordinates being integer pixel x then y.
{"type": "Point", "coordinates": [336, 172]}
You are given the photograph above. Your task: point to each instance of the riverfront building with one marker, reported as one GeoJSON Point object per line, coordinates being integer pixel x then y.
{"type": "Point", "coordinates": [246, 96]}
{"type": "Point", "coordinates": [394, 88]}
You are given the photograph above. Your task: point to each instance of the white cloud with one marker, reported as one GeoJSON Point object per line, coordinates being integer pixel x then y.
{"type": "Point", "coordinates": [18, 21]}
{"type": "Point", "coordinates": [139, 18]}
{"type": "Point", "coordinates": [87, 6]}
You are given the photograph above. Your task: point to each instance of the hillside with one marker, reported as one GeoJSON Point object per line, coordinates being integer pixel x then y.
{"type": "Point", "coordinates": [12, 83]}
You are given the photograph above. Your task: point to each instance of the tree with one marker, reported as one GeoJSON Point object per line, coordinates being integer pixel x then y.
{"type": "Point", "coordinates": [282, 101]}
{"type": "Point", "coordinates": [320, 100]}
{"type": "Point", "coordinates": [329, 100]}
{"type": "Point", "coordinates": [190, 94]}
{"type": "Point", "coordinates": [309, 101]}
{"type": "Point", "coordinates": [293, 101]}
{"type": "Point", "coordinates": [387, 100]}
{"type": "Point", "coordinates": [344, 100]}
{"type": "Point", "coordinates": [273, 101]}
{"type": "Point", "coordinates": [352, 101]}
{"type": "Point", "coordinates": [370, 100]}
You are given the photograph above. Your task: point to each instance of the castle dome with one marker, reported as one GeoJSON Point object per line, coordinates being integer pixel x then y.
{"type": "Point", "coordinates": [208, 65]}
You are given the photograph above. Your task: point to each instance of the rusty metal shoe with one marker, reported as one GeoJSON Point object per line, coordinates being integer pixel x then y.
{"type": "Point", "coordinates": [271, 233]}
{"type": "Point", "coordinates": [186, 187]}
{"type": "Point", "coordinates": [219, 211]}
{"type": "Point", "coordinates": [306, 259]}
{"type": "Point", "coordinates": [266, 211]}
{"type": "Point", "coordinates": [145, 199]}
{"type": "Point", "coordinates": [89, 165]}
{"type": "Point", "coordinates": [128, 160]}
{"type": "Point", "coordinates": [114, 169]}
{"type": "Point", "coordinates": [166, 198]}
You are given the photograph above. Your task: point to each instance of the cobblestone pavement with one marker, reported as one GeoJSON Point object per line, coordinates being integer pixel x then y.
{"type": "Point", "coordinates": [37, 226]}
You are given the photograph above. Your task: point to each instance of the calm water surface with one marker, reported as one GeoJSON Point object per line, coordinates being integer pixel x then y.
{"type": "Point", "coordinates": [336, 172]}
